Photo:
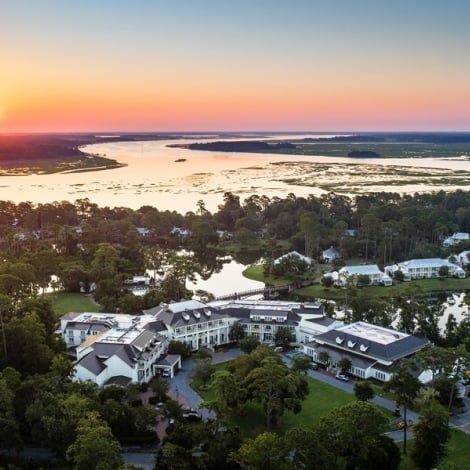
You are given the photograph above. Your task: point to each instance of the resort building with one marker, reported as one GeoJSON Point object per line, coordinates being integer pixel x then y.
{"type": "Point", "coordinates": [371, 349]}
{"type": "Point", "coordinates": [426, 268]}
{"type": "Point", "coordinates": [349, 274]}
{"type": "Point", "coordinates": [119, 348]}
{"type": "Point", "coordinates": [194, 322]}
{"type": "Point", "coordinates": [114, 348]}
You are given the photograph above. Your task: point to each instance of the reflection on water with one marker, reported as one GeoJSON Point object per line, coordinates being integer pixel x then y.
{"type": "Point", "coordinates": [227, 281]}
{"type": "Point", "coordinates": [154, 177]}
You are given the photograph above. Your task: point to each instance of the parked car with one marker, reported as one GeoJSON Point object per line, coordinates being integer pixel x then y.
{"type": "Point", "coordinates": [342, 377]}
{"type": "Point", "coordinates": [192, 415]}
{"type": "Point", "coordinates": [409, 423]}
{"type": "Point", "coordinates": [166, 373]}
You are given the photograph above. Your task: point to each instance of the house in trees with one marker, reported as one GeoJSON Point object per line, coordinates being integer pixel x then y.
{"type": "Point", "coordinates": [455, 239]}
{"type": "Point", "coordinates": [294, 254]}
{"type": "Point", "coordinates": [330, 254]}
{"type": "Point", "coordinates": [349, 274]}
{"type": "Point", "coordinates": [371, 349]}
{"type": "Point", "coordinates": [425, 268]}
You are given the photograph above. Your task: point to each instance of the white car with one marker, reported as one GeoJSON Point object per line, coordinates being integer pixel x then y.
{"type": "Point", "coordinates": [343, 377]}
{"type": "Point", "coordinates": [166, 373]}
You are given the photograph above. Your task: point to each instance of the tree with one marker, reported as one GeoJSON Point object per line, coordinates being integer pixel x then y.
{"type": "Point", "coordinates": [406, 387]}
{"type": "Point", "coordinates": [431, 434]}
{"type": "Point", "coordinates": [248, 344]}
{"type": "Point", "coordinates": [237, 332]}
{"type": "Point", "coordinates": [204, 370]}
{"type": "Point", "coordinates": [10, 436]}
{"type": "Point", "coordinates": [179, 347]}
{"type": "Point", "coordinates": [344, 364]}
{"type": "Point", "coordinates": [324, 358]}
{"type": "Point", "coordinates": [301, 363]}
{"type": "Point", "coordinates": [363, 280]}
{"type": "Point", "coordinates": [284, 337]}
{"type": "Point", "coordinates": [443, 271]}
{"type": "Point", "coordinates": [95, 446]}
{"type": "Point", "coordinates": [227, 394]}
{"type": "Point", "coordinates": [159, 387]}
{"type": "Point", "coordinates": [307, 451]}
{"type": "Point", "coordinates": [363, 390]}
{"type": "Point", "coordinates": [276, 387]}
{"type": "Point", "coordinates": [352, 432]}
{"type": "Point", "coordinates": [266, 451]}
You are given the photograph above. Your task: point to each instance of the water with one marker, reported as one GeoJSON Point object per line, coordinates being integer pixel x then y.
{"type": "Point", "coordinates": [229, 280]}
{"type": "Point", "coordinates": [153, 177]}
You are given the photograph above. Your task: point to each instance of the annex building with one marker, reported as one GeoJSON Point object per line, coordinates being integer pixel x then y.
{"type": "Point", "coordinates": [371, 349]}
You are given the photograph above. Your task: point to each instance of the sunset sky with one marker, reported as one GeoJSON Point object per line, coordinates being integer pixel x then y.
{"type": "Point", "coordinates": [244, 65]}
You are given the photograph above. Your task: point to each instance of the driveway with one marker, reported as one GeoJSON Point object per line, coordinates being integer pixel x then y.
{"type": "Point", "coordinates": [181, 391]}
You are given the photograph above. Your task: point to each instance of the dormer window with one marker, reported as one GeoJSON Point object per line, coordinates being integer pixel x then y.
{"type": "Point", "coordinates": [339, 340]}
{"type": "Point", "coordinates": [351, 344]}
{"type": "Point", "coordinates": [363, 347]}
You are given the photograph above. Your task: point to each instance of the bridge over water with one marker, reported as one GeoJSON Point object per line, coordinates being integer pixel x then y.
{"type": "Point", "coordinates": [266, 291]}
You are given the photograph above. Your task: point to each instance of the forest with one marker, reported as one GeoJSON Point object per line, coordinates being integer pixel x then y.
{"type": "Point", "coordinates": [71, 246]}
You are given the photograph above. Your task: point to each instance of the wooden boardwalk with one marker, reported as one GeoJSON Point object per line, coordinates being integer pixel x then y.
{"type": "Point", "coordinates": [266, 291]}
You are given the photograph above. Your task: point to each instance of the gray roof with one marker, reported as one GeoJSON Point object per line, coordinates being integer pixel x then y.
{"type": "Point", "coordinates": [143, 339]}
{"type": "Point", "coordinates": [190, 317]}
{"type": "Point", "coordinates": [118, 380]}
{"type": "Point", "coordinates": [95, 360]}
{"type": "Point", "coordinates": [243, 315]}
{"type": "Point", "coordinates": [402, 347]}
{"type": "Point", "coordinates": [326, 321]}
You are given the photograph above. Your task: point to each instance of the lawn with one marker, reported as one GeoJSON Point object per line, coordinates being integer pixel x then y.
{"type": "Point", "coordinates": [63, 303]}
{"type": "Point", "coordinates": [321, 399]}
{"type": "Point", "coordinates": [458, 452]}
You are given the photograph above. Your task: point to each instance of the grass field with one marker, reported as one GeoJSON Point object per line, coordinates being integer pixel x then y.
{"type": "Point", "coordinates": [63, 303]}
{"type": "Point", "coordinates": [321, 399]}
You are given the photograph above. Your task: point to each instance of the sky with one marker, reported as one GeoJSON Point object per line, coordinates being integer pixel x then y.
{"type": "Point", "coordinates": [244, 65]}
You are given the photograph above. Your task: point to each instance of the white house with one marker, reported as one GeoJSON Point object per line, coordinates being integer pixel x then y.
{"type": "Point", "coordinates": [463, 258]}
{"type": "Point", "coordinates": [330, 254]}
{"type": "Point", "coordinates": [295, 254]}
{"type": "Point", "coordinates": [114, 348]}
{"type": "Point", "coordinates": [425, 268]}
{"type": "Point", "coordinates": [371, 349]}
{"type": "Point", "coordinates": [372, 271]}
{"type": "Point", "coordinates": [455, 239]}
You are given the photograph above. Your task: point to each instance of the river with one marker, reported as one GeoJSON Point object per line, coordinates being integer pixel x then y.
{"type": "Point", "coordinates": [153, 176]}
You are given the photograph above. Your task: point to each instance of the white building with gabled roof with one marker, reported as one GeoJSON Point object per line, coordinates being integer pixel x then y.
{"type": "Point", "coordinates": [426, 268]}
{"type": "Point", "coordinates": [371, 349]}
{"type": "Point", "coordinates": [295, 254]}
{"type": "Point", "coordinates": [455, 239]}
{"type": "Point", "coordinates": [349, 274]}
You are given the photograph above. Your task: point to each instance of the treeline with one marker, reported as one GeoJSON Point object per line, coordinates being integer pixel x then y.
{"type": "Point", "coordinates": [82, 243]}
{"type": "Point", "coordinates": [241, 146]}
{"type": "Point", "coordinates": [14, 147]}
